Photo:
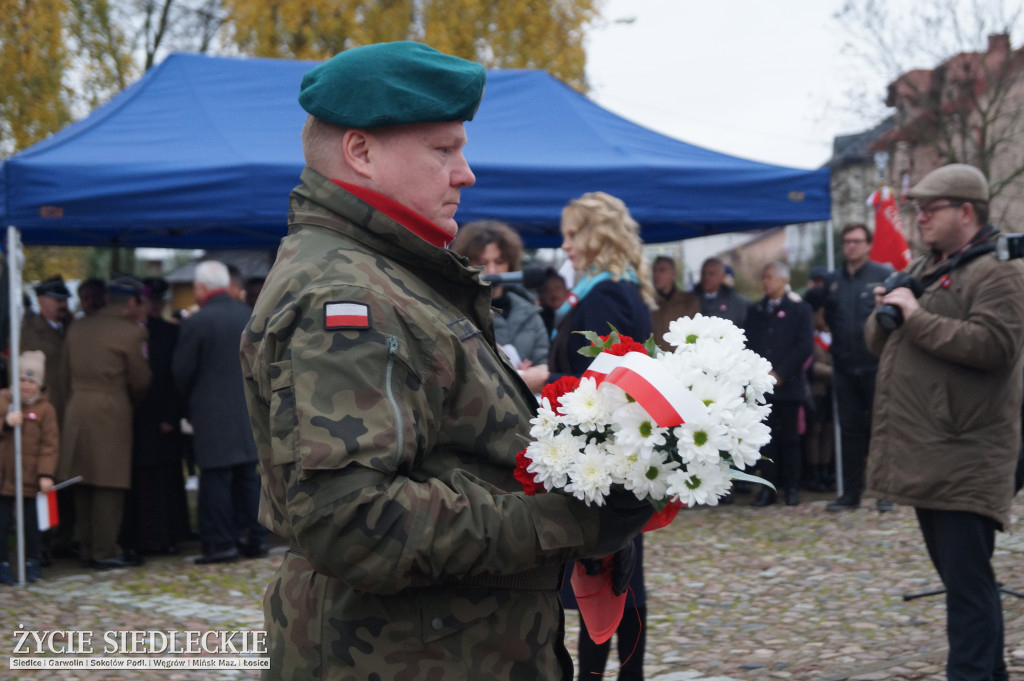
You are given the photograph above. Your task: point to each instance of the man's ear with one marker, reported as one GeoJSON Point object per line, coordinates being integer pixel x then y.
{"type": "Point", "coordinates": [356, 147]}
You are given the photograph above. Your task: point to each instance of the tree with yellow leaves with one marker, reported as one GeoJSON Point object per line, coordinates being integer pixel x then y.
{"type": "Point", "coordinates": [544, 34]}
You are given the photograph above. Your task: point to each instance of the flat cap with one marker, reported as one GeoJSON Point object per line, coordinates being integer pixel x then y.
{"type": "Point", "coordinates": [128, 286]}
{"type": "Point", "coordinates": [53, 288]}
{"type": "Point", "coordinates": [393, 84]}
{"type": "Point", "coordinates": [955, 181]}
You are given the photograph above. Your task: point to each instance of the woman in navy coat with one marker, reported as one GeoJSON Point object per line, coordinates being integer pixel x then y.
{"type": "Point", "coordinates": [603, 242]}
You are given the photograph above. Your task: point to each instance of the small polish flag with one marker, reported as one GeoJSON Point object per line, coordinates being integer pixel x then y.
{"type": "Point", "coordinates": [346, 316]}
{"type": "Point", "coordinates": [46, 509]}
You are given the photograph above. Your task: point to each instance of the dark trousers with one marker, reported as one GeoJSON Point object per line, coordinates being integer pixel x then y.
{"type": "Point", "coordinates": [7, 528]}
{"type": "Point", "coordinates": [229, 499]}
{"type": "Point", "coordinates": [631, 639]}
{"type": "Point", "coordinates": [781, 463]}
{"type": "Point", "coordinates": [98, 513]}
{"type": "Point", "coordinates": [960, 545]}
{"type": "Point", "coordinates": [855, 396]}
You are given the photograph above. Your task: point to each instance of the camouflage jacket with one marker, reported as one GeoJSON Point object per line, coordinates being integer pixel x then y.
{"type": "Point", "coordinates": [387, 455]}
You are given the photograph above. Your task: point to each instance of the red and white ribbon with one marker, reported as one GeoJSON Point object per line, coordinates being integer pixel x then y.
{"type": "Point", "coordinates": [644, 379]}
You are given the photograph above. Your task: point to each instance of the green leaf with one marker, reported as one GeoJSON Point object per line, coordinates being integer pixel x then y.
{"type": "Point", "coordinates": [652, 347]}
{"type": "Point", "coordinates": [737, 474]}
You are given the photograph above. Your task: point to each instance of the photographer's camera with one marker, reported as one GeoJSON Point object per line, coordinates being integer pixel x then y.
{"type": "Point", "coordinates": [890, 317]}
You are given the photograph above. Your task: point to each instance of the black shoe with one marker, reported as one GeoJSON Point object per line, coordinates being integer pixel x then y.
{"type": "Point", "coordinates": [885, 505]}
{"type": "Point", "coordinates": [225, 556]}
{"type": "Point", "coordinates": [766, 497]}
{"type": "Point", "coordinates": [249, 549]}
{"type": "Point", "coordinates": [792, 497]}
{"type": "Point", "coordinates": [847, 502]}
{"type": "Point", "coordinates": [115, 563]}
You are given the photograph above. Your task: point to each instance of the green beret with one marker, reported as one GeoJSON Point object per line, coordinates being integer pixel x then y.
{"type": "Point", "coordinates": [393, 84]}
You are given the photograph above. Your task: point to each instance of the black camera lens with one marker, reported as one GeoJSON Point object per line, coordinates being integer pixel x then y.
{"type": "Point", "coordinates": [889, 317]}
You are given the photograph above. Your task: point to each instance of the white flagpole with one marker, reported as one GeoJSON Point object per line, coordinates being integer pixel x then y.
{"type": "Point", "coordinates": [15, 261]}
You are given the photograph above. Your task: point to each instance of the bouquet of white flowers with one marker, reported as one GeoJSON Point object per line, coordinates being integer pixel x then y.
{"type": "Point", "coordinates": [673, 427]}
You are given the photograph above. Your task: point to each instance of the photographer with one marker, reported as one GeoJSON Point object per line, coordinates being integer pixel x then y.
{"type": "Point", "coordinates": [946, 425]}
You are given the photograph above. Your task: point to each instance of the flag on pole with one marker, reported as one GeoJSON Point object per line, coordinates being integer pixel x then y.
{"type": "Point", "coordinates": [889, 244]}
{"type": "Point", "coordinates": [46, 510]}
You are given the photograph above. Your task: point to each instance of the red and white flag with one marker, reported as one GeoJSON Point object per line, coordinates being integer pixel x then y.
{"type": "Point", "coordinates": [46, 510]}
{"type": "Point", "coordinates": [668, 403]}
{"type": "Point", "coordinates": [889, 244]}
{"type": "Point", "coordinates": [342, 315]}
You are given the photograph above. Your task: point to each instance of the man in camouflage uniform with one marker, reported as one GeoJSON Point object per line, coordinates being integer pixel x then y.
{"type": "Point", "coordinates": [387, 422]}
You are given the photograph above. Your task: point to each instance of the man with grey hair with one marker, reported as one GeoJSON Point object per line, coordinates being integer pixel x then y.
{"type": "Point", "coordinates": [207, 373]}
{"type": "Point", "coordinates": [780, 329]}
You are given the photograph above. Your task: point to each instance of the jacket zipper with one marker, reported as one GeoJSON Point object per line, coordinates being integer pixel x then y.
{"type": "Point", "coordinates": [390, 391]}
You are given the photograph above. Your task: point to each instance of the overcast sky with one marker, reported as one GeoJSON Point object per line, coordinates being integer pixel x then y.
{"type": "Point", "coordinates": [746, 77]}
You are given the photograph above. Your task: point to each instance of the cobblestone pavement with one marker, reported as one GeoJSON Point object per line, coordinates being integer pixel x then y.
{"type": "Point", "coordinates": [735, 593]}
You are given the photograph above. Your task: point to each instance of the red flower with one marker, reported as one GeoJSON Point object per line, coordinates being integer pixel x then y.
{"type": "Point", "coordinates": [525, 477]}
{"type": "Point", "coordinates": [554, 391]}
{"type": "Point", "coordinates": [624, 346]}
{"type": "Point", "coordinates": [627, 346]}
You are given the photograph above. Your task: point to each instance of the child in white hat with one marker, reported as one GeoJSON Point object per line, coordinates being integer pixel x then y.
{"type": "Point", "coordinates": [40, 445]}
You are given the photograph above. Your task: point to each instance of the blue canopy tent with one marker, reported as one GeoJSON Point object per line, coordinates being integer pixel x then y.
{"type": "Point", "coordinates": [202, 152]}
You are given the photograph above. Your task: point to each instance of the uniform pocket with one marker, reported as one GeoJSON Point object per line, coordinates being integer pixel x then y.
{"type": "Point", "coordinates": [283, 417]}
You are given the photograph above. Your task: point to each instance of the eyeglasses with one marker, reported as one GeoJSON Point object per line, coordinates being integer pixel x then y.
{"type": "Point", "coordinates": [847, 242]}
{"type": "Point", "coordinates": [926, 211]}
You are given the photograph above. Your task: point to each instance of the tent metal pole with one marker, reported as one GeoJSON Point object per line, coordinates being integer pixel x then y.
{"type": "Point", "coordinates": [837, 438]}
{"type": "Point", "coordinates": [15, 261]}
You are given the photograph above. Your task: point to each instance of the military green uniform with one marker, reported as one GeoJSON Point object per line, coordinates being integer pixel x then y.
{"type": "Point", "coordinates": [387, 447]}
{"type": "Point", "coordinates": [37, 334]}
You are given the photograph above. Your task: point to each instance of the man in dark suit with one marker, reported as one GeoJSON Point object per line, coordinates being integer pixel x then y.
{"type": "Point", "coordinates": [780, 329]}
{"type": "Point", "coordinates": [156, 509]}
{"type": "Point", "coordinates": [208, 374]}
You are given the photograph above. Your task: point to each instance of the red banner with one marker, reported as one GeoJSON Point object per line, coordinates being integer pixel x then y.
{"type": "Point", "coordinates": [889, 244]}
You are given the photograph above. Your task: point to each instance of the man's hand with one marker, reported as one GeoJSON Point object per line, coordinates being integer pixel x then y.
{"type": "Point", "coordinates": [901, 297]}
{"type": "Point", "coordinates": [621, 518]}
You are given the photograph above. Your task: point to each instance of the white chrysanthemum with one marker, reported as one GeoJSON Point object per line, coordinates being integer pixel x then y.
{"type": "Point", "coordinates": [720, 398]}
{"type": "Point", "coordinates": [687, 331]}
{"type": "Point", "coordinates": [552, 457]}
{"type": "Point", "coordinates": [615, 397]}
{"type": "Point", "coordinates": [650, 479]}
{"type": "Point", "coordinates": [700, 483]}
{"type": "Point", "coordinates": [748, 435]}
{"type": "Point", "coordinates": [590, 476]}
{"type": "Point", "coordinates": [545, 423]}
{"type": "Point", "coordinates": [702, 439]}
{"type": "Point", "coordinates": [635, 430]}
{"type": "Point", "coordinates": [586, 406]}
{"type": "Point", "coordinates": [757, 371]}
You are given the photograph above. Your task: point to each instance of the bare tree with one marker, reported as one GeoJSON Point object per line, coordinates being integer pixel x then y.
{"type": "Point", "coordinates": [955, 82]}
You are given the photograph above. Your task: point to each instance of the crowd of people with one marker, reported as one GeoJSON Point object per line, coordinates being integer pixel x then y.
{"type": "Point", "coordinates": [121, 398]}
{"type": "Point", "coordinates": [385, 388]}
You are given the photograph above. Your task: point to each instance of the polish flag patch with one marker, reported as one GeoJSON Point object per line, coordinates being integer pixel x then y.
{"type": "Point", "coordinates": [346, 316]}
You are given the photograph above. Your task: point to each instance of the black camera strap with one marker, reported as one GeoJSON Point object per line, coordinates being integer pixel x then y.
{"type": "Point", "coordinates": [963, 256]}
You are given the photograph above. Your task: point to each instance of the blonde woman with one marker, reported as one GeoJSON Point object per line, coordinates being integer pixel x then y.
{"type": "Point", "coordinates": [603, 242]}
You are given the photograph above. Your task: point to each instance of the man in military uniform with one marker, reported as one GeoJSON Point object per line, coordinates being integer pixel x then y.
{"type": "Point", "coordinates": [386, 419]}
{"type": "Point", "coordinates": [46, 331]}
{"type": "Point", "coordinates": [105, 373]}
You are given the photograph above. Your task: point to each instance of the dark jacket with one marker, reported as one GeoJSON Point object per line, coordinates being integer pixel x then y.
{"type": "Point", "coordinates": [848, 301]}
{"type": "Point", "coordinates": [727, 304]}
{"type": "Point", "coordinates": [783, 337]}
{"type": "Point", "coordinates": [946, 425]}
{"type": "Point", "coordinates": [618, 303]}
{"type": "Point", "coordinates": [162, 403]}
{"type": "Point", "coordinates": [207, 374]}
